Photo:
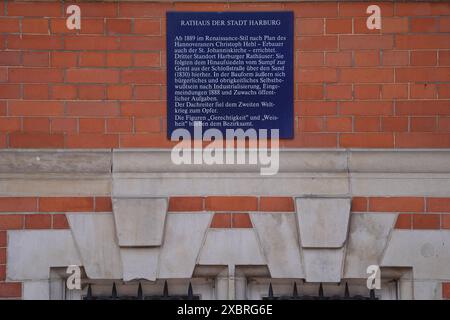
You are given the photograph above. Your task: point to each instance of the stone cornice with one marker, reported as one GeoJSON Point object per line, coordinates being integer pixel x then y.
{"type": "Point", "coordinates": [143, 173]}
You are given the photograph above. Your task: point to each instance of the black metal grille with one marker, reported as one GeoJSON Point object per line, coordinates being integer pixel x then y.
{"type": "Point", "coordinates": [140, 296]}
{"type": "Point", "coordinates": [320, 296]}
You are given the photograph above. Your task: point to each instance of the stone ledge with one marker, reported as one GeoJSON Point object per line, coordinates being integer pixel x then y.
{"type": "Point", "coordinates": [151, 173]}
{"type": "Point", "coordinates": [144, 160]}
{"type": "Point", "coordinates": [55, 161]}
{"type": "Point", "coordinates": [80, 161]}
{"type": "Point", "coordinates": [401, 161]}
{"type": "Point", "coordinates": [298, 160]}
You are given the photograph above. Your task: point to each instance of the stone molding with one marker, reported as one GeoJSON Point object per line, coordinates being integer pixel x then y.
{"type": "Point", "coordinates": [71, 161]}
{"type": "Point", "coordinates": [58, 161]}
{"type": "Point", "coordinates": [145, 173]}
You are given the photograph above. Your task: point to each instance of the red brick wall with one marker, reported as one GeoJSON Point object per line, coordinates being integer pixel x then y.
{"type": "Point", "coordinates": [424, 213]}
{"type": "Point", "coordinates": [446, 290]}
{"type": "Point", "coordinates": [104, 86]}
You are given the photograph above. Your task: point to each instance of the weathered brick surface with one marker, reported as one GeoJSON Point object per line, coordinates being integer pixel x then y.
{"type": "Point", "coordinates": [10, 289]}
{"type": "Point", "coordinates": [354, 87]}
{"type": "Point", "coordinates": [446, 290]}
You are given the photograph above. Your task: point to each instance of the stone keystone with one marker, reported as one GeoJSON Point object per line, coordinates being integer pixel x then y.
{"type": "Point", "coordinates": [323, 222]}
{"type": "Point", "coordinates": [140, 222]}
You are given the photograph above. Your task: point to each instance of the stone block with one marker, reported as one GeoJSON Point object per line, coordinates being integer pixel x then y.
{"type": "Point", "coordinates": [323, 222]}
{"type": "Point", "coordinates": [55, 161]}
{"type": "Point", "coordinates": [196, 184]}
{"type": "Point", "coordinates": [95, 239]}
{"type": "Point", "coordinates": [426, 251]}
{"type": "Point", "coordinates": [231, 247]}
{"type": "Point", "coordinates": [139, 263]}
{"type": "Point", "coordinates": [427, 290]}
{"type": "Point", "coordinates": [323, 265]}
{"type": "Point", "coordinates": [398, 161]}
{"type": "Point", "coordinates": [36, 290]}
{"type": "Point", "coordinates": [50, 185]}
{"type": "Point", "coordinates": [368, 235]}
{"type": "Point", "coordinates": [140, 222]}
{"type": "Point", "coordinates": [184, 237]}
{"type": "Point", "coordinates": [277, 233]}
{"type": "Point", "coordinates": [31, 253]}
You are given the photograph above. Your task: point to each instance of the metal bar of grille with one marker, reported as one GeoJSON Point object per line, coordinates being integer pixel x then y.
{"type": "Point", "coordinates": [140, 296]}
{"type": "Point", "coordinates": [320, 296]}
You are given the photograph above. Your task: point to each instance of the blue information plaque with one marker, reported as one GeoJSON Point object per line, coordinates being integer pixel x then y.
{"type": "Point", "coordinates": [230, 70]}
